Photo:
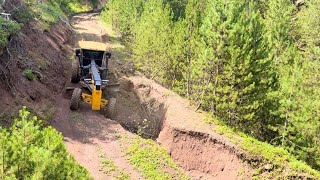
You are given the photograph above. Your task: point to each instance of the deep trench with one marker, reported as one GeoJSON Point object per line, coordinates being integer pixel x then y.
{"type": "Point", "coordinates": [139, 113]}
{"type": "Point", "coordinates": [143, 110]}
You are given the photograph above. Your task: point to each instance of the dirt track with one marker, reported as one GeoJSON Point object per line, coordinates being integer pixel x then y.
{"type": "Point", "coordinates": [152, 110]}
{"type": "Point", "coordinates": [89, 133]}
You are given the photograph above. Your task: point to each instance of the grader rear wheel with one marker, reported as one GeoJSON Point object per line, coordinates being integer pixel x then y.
{"type": "Point", "coordinates": [76, 99]}
{"type": "Point", "coordinates": [111, 108]}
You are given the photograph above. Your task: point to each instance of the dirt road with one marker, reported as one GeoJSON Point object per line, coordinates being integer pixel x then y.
{"type": "Point", "coordinates": [89, 136]}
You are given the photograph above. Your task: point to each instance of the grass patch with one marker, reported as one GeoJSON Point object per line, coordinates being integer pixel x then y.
{"type": "Point", "coordinates": [48, 13]}
{"type": "Point", "coordinates": [78, 7]}
{"type": "Point", "coordinates": [109, 168]}
{"type": "Point", "coordinates": [284, 164]}
{"type": "Point", "coordinates": [152, 160]}
{"type": "Point", "coordinates": [28, 74]}
{"type": "Point", "coordinates": [107, 25]}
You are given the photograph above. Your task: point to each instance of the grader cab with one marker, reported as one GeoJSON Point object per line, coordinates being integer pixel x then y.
{"type": "Point", "coordinates": [90, 69]}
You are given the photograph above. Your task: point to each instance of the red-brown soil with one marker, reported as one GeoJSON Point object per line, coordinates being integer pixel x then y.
{"type": "Point", "coordinates": [46, 54]}
{"type": "Point", "coordinates": [189, 140]}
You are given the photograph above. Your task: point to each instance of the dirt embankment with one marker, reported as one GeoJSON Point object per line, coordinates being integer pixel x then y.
{"type": "Point", "coordinates": [41, 55]}
{"type": "Point", "coordinates": [182, 131]}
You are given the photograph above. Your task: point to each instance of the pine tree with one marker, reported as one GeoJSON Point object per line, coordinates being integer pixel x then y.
{"type": "Point", "coordinates": [30, 151]}
{"type": "Point", "coordinates": [153, 40]}
{"type": "Point", "coordinates": [212, 54]}
{"type": "Point", "coordinates": [123, 14]}
{"type": "Point", "coordinates": [297, 121]}
{"type": "Point", "coordinates": [178, 7]}
{"type": "Point", "coordinates": [306, 115]}
{"type": "Point", "coordinates": [247, 75]}
{"type": "Point", "coordinates": [177, 57]}
{"type": "Point", "coordinates": [193, 17]}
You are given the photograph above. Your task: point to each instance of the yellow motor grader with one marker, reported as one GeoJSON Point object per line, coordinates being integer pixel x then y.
{"type": "Point", "coordinates": [90, 69]}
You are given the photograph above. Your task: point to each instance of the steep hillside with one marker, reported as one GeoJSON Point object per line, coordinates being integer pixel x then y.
{"type": "Point", "coordinates": [35, 53]}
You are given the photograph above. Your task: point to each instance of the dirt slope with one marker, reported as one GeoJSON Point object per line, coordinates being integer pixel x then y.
{"type": "Point", "coordinates": [46, 54]}
{"type": "Point", "coordinates": [202, 153]}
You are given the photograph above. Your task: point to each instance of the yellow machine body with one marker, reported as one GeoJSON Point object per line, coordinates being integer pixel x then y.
{"type": "Point", "coordinates": [91, 45]}
{"type": "Point", "coordinates": [95, 100]}
{"type": "Point", "coordinates": [96, 84]}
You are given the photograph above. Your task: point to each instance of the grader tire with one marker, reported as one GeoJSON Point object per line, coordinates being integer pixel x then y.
{"type": "Point", "coordinates": [111, 108]}
{"type": "Point", "coordinates": [104, 75]}
{"type": "Point", "coordinates": [75, 76]}
{"type": "Point", "coordinates": [75, 99]}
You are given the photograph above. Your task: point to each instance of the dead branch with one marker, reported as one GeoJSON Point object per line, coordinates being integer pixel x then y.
{"type": "Point", "coordinates": [67, 23]}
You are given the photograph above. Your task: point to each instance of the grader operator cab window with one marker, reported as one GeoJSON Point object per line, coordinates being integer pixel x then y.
{"type": "Point", "coordinates": [88, 55]}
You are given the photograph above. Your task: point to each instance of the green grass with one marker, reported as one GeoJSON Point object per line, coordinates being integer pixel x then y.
{"type": "Point", "coordinates": [78, 7]}
{"type": "Point", "coordinates": [152, 160]}
{"type": "Point", "coordinates": [285, 165]}
{"type": "Point", "coordinates": [50, 12]}
{"type": "Point", "coordinates": [109, 168]}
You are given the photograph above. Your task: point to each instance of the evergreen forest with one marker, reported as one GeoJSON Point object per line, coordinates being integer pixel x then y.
{"type": "Point", "coordinates": [253, 64]}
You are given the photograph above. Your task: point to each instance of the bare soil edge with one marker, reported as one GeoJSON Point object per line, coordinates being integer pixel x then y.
{"type": "Point", "coordinates": [182, 132]}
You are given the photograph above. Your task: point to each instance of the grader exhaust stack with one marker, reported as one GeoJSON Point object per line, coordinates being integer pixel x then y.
{"type": "Point", "coordinates": [90, 68]}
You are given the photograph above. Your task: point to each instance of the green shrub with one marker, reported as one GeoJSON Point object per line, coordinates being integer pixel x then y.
{"type": "Point", "coordinates": [77, 7]}
{"type": "Point", "coordinates": [48, 13]}
{"type": "Point", "coordinates": [31, 151]}
{"type": "Point", "coordinates": [29, 74]}
{"type": "Point", "coordinates": [23, 14]}
{"type": "Point", "coordinates": [7, 28]}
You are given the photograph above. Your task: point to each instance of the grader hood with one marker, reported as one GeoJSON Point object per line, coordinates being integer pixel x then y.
{"type": "Point", "coordinates": [91, 45]}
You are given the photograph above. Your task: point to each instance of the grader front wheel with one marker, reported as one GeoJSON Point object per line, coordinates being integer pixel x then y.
{"type": "Point", "coordinates": [75, 76]}
{"type": "Point", "coordinates": [76, 99]}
